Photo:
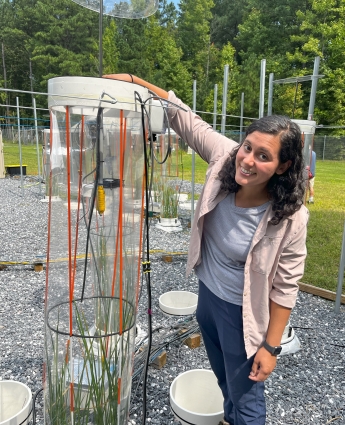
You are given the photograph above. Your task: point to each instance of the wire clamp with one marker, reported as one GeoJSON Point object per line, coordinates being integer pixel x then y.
{"type": "Point", "coordinates": [146, 266]}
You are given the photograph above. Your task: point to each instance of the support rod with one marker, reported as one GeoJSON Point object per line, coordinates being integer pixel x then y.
{"type": "Point", "coordinates": [270, 94]}
{"type": "Point", "coordinates": [313, 87]}
{"type": "Point", "coordinates": [262, 88]}
{"type": "Point", "coordinates": [20, 148]}
{"type": "Point", "coordinates": [340, 275]}
{"type": "Point", "coordinates": [241, 119]}
{"type": "Point", "coordinates": [37, 146]}
{"type": "Point", "coordinates": [193, 157]}
{"type": "Point", "coordinates": [225, 97]}
{"type": "Point", "coordinates": [215, 106]}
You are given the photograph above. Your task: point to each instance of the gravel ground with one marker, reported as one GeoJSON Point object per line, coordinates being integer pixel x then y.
{"type": "Point", "coordinates": [307, 387]}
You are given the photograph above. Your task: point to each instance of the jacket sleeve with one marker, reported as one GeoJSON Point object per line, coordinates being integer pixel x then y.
{"type": "Point", "coordinates": [199, 135]}
{"type": "Point", "coordinates": [290, 268]}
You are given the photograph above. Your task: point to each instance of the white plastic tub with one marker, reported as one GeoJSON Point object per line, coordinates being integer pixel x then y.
{"type": "Point", "coordinates": [196, 399]}
{"type": "Point", "coordinates": [15, 403]}
{"type": "Point", "coordinates": [306, 126]}
{"type": "Point", "coordinates": [178, 303]}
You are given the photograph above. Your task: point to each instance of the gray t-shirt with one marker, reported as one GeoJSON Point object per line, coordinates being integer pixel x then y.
{"type": "Point", "coordinates": [227, 235]}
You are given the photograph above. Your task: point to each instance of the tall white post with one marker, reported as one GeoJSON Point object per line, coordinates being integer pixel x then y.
{"type": "Point", "coordinates": [215, 106]}
{"type": "Point", "coordinates": [313, 88]}
{"type": "Point", "coordinates": [225, 97]}
{"type": "Point", "coordinates": [37, 146]}
{"type": "Point", "coordinates": [270, 94]}
{"type": "Point", "coordinates": [193, 157]}
{"type": "Point", "coordinates": [20, 148]}
{"type": "Point", "coordinates": [262, 88]}
{"type": "Point", "coordinates": [241, 119]}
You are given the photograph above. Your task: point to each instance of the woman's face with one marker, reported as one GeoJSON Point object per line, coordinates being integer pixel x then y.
{"type": "Point", "coordinates": [257, 160]}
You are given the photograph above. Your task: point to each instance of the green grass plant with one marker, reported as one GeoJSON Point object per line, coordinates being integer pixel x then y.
{"type": "Point", "coordinates": [169, 208]}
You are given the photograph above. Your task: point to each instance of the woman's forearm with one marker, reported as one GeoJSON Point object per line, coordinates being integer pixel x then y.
{"type": "Point", "coordinates": [279, 317]}
{"type": "Point", "coordinates": [129, 78]}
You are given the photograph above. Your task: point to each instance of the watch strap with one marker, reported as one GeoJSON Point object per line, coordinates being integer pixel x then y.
{"type": "Point", "coordinates": [274, 350]}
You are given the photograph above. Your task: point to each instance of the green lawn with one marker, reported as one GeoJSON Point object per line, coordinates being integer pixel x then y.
{"type": "Point", "coordinates": [29, 157]}
{"type": "Point", "coordinates": [327, 215]}
{"type": "Point", "coordinates": [326, 225]}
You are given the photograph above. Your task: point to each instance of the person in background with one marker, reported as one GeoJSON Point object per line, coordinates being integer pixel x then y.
{"type": "Point", "coordinates": [247, 248]}
{"type": "Point", "coordinates": [311, 180]}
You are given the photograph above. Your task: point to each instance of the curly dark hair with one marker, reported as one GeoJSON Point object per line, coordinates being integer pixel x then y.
{"type": "Point", "coordinates": [286, 191]}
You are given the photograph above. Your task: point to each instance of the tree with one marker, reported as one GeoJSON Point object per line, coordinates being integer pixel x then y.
{"type": "Point", "coordinates": [322, 33]}
{"type": "Point", "coordinates": [131, 42]}
{"type": "Point", "coordinates": [110, 49]}
{"type": "Point", "coordinates": [166, 69]}
{"type": "Point", "coordinates": [225, 57]}
{"type": "Point", "coordinates": [167, 15]}
{"type": "Point", "coordinates": [267, 27]}
{"type": "Point", "coordinates": [193, 37]}
{"type": "Point", "coordinates": [227, 16]}
{"type": "Point", "coordinates": [194, 28]}
{"type": "Point", "coordinates": [65, 41]}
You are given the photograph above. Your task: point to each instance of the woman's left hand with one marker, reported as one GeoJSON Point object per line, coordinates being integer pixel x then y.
{"type": "Point", "coordinates": [263, 365]}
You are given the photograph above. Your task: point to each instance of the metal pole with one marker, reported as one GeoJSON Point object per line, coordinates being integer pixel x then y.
{"type": "Point", "coordinates": [340, 275]}
{"type": "Point", "coordinates": [193, 158]}
{"type": "Point", "coordinates": [313, 88]}
{"type": "Point", "coordinates": [215, 106]}
{"type": "Point", "coordinates": [294, 100]}
{"type": "Point", "coordinates": [225, 95]}
{"type": "Point", "coordinates": [270, 94]}
{"type": "Point", "coordinates": [5, 84]}
{"type": "Point", "coordinates": [37, 147]}
{"type": "Point", "coordinates": [241, 119]}
{"type": "Point", "coordinates": [20, 148]}
{"type": "Point", "coordinates": [262, 88]}
{"type": "Point", "coordinates": [31, 83]}
{"type": "Point", "coordinates": [324, 147]}
{"type": "Point", "coordinates": [100, 54]}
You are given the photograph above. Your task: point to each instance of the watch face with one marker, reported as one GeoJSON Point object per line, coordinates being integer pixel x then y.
{"type": "Point", "coordinates": [277, 350]}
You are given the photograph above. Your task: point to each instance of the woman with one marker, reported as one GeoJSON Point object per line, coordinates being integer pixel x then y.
{"type": "Point", "coordinates": [247, 248]}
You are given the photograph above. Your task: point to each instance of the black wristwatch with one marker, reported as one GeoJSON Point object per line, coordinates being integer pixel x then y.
{"type": "Point", "coordinates": [275, 351]}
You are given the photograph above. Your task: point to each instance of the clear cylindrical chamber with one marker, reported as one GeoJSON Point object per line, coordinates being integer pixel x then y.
{"type": "Point", "coordinates": [94, 249]}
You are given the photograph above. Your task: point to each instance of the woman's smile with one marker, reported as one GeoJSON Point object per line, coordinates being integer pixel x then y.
{"type": "Point", "coordinates": [246, 172]}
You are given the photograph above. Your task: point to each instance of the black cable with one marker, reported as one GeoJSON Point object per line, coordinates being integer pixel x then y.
{"type": "Point", "coordinates": [34, 406]}
{"type": "Point", "coordinates": [147, 264]}
{"type": "Point", "coordinates": [168, 153]}
{"type": "Point", "coordinates": [93, 195]}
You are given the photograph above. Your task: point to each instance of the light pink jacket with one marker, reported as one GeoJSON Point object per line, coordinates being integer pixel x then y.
{"type": "Point", "coordinates": [276, 257]}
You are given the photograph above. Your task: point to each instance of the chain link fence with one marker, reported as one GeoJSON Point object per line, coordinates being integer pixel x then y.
{"type": "Point", "coordinates": [326, 147]}
{"type": "Point", "coordinates": [27, 135]}
{"type": "Point", "coordinates": [329, 147]}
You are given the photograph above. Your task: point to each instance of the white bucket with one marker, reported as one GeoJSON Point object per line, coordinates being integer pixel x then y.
{"type": "Point", "coordinates": [169, 224]}
{"type": "Point", "coordinates": [287, 333]}
{"type": "Point", "coordinates": [15, 403]}
{"type": "Point", "coordinates": [306, 126]}
{"type": "Point", "coordinates": [183, 197]}
{"type": "Point", "coordinates": [196, 399]}
{"type": "Point", "coordinates": [289, 342]}
{"type": "Point", "coordinates": [178, 303]}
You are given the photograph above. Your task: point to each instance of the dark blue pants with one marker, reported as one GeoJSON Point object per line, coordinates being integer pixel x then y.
{"type": "Point", "coordinates": [222, 331]}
